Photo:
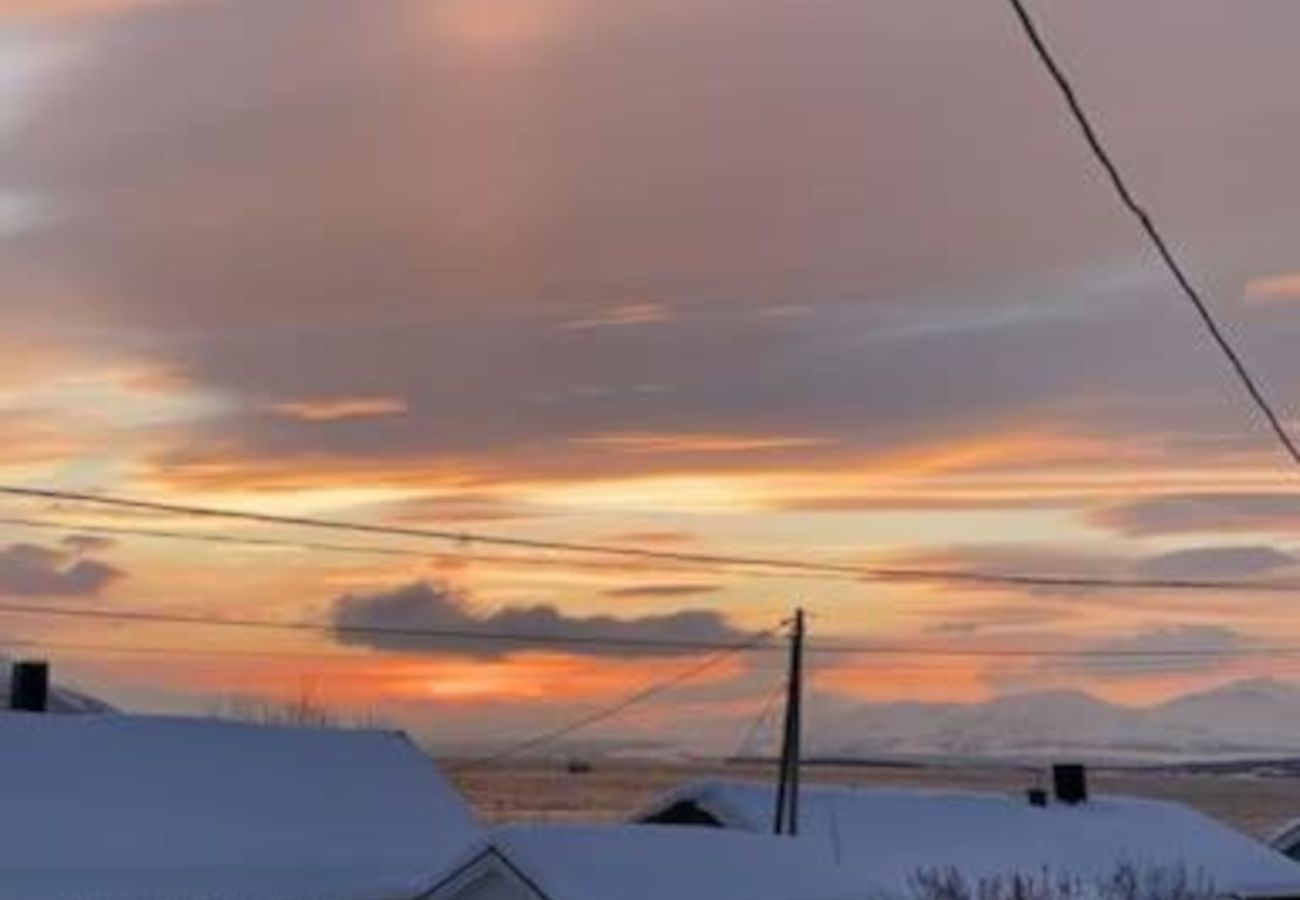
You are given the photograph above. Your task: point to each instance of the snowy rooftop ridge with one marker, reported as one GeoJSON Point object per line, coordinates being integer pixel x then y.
{"type": "Point", "coordinates": [661, 862]}
{"type": "Point", "coordinates": [109, 807]}
{"type": "Point", "coordinates": [891, 834]}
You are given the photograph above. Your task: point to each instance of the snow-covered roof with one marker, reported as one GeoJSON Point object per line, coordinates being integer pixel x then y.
{"type": "Point", "coordinates": [890, 834]}
{"type": "Point", "coordinates": [110, 807]}
{"type": "Point", "coordinates": [1286, 838]}
{"type": "Point", "coordinates": [661, 862]}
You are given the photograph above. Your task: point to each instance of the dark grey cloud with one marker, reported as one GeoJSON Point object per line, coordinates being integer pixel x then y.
{"type": "Point", "coordinates": [1244, 563]}
{"type": "Point", "coordinates": [1216, 561]}
{"type": "Point", "coordinates": [319, 197]}
{"type": "Point", "coordinates": [422, 605]}
{"type": "Point", "coordinates": [1207, 512]}
{"type": "Point", "coordinates": [1227, 562]}
{"type": "Point", "coordinates": [29, 570]}
{"type": "Point", "coordinates": [729, 373]}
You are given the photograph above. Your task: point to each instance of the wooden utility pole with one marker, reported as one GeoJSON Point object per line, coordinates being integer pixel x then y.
{"type": "Point", "coordinates": [787, 789]}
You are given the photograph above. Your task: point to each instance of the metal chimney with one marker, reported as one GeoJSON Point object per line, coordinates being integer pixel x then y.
{"type": "Point", "coordinates": [29, 686]}
{"type": "Point", "coordinates": [1070, 783]}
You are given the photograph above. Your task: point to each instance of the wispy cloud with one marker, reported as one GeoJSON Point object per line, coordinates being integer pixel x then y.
{"type": "Point", "coordinates": [1276, 289]}
{"type": "Point", "coordinates": [631, 314]}
{"type": "Point", "coordinates": [642, 442]}
{"type": "Point", "coordinates": [334, 409]}
{"type": "Point", "coordinates": [1207, 512]}
{"type": "Point", "coordinates": [654, 591]}
{"type": "Point", "coordinates": [1233, 561]}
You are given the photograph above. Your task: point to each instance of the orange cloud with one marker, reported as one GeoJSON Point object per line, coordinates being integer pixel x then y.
{"type": "Point", "coordinates": [1276, 289]}
{"type": "Point", "coordinates": [220, 468]}
{"type": "Point", "coordinates": [662, 537]}
{"type": "Point", "coordinates": [644, 442]}
{"type": "Point", "coordinates": [32, 440]}
{"type": "Point", "coordinates": [623, 316]}
{"type": "Point", "coordinates": [66, 413]}
{"type": "Point", "coordinates": [333, 409]}
{"type": "Point", "coordinates": [155, 380]}
{"type": "Point", "coordinates": [358, 681]}
{"type": "Point", "coordinates": [684, 493]}
{"type": "Point", "coordinates": [539, 676]}
{"type": "Point", "coordinates": [1024, 469]}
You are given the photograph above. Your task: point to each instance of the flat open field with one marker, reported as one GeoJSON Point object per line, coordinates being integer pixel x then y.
{"type": "Point", "coordinates": [612, 790]}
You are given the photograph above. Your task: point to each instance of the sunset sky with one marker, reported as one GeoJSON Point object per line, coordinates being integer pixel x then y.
{"type": "Point", "coordinates": [830, 280]}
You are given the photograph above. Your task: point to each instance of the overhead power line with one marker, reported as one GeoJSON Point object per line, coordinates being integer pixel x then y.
{"type": "Point", "coordinates": [1171, 262]}
{"type": "Point", "coordinates": [608, 712]}
{"type": "Point", "coordinates": [544, 638]}
{"type": "Point", "coordinates": [1279, 659]}
{"type": "Point", "coordinates": [552, 638]}
{"type": "Point", "coordinates": [768, 565]}
{"type": "Point", "coordinates": [98, 648]}
{"type": "Point", "coordinates": [743, 750]}
{"type": "Point", "coordinates": [460, 537]}
{"type": "Point", "coordinates": [439, 556]}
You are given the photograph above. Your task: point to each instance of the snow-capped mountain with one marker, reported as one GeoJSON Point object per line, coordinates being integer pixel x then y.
{"type": "Point", "coordinates": [1241, 719]}
{"type": "Point", "coordinates": [1268, 711]}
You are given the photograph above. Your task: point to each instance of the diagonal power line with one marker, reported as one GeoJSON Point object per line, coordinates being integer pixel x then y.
{"type": "Point", "coordinates": [415, 635]}
{"type": "Point", "coordinates": [1216, 331]}
{"type": "Point", "coordinates": [746, 564]}
{"type": "Point", "coordinates": [742, 749]}
{"type": "Point", "coordinates": [439, 556]}
{"type": "Point", "coordinates": [432, 636]}
{"type": "Point", "coordinates": [607, 712]}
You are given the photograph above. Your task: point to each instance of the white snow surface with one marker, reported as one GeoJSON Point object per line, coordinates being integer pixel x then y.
{"type": "Point", "coordinates": [666, 862]}
{"type": "Point", "coordinates": [111, 807]}
{"type": "Point", "coordinates": [891, 834]}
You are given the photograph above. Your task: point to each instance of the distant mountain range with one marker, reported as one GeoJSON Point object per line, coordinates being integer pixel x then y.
{"type": "Point", "coordinates": [1244, 719]}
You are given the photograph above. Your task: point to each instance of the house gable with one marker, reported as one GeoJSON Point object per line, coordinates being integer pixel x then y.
{"type": "Point", "coordinates": [487, 876]}
{"type": "Point", "coordinates": [684, 812]}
